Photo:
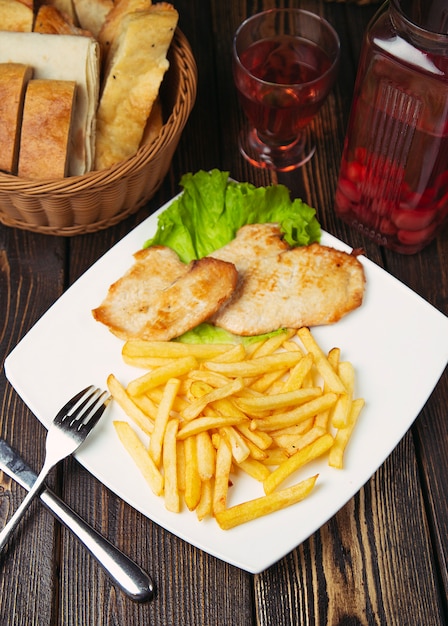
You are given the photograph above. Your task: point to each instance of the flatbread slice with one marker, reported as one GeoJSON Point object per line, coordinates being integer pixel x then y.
{"type": "Point", "coordinates": [137, 65]}
{"type": "Point", "coordinates": [91, 14]}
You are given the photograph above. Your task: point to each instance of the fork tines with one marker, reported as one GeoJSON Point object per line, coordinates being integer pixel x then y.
{"type": "Point", "coordinates": [84, 407]}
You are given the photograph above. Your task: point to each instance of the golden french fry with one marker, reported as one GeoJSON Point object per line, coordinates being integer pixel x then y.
{"type": "Point", "coordinates": [237, 353]}
{"type": "Point", "coordinates": [210, 378]}
{"type": "Point", "coordinates": [227, 406]}
{"type": "Point", "coordinates": [272, 344]}
{"type": "Point", "coordinates": [146, 362]}
{"type": "Point", "coordinates": [296, 429]}
{"type": "Point", "coordinates": [200, 424]}
{"type": "Point", "coordinates": [161, 375]}
{"type": "Point", "coordinates": [341, 410]}
{"type": "Point", "coordinates": [297, 415]}
{"type": "Point", "coordinates": [298, 373]}
{"type": "Point", "coordinates": [254, 405]}
{"type": "Point", "coordinates": [206, 454]}
{"type": "Point", "coordinates": [265, 409]}
{"type": "Point", "coordinates": [222, 473]}
{"type": "Point", "coordinates": [192, 493]}
{"type": "Point", "coordinates": [260, 439]}
{"type": "Point", "coordinates": [139, 454]}
{"type": "Point", "coordinates": [199, 405]}
{"type": "Point", "coordinates": [275, 456]}
{"type": "Point", "coordinates": [240, 450]}
{"type": "Point", "coordinates": [264, 383]}
{"type": "Point", "coordinates": [180, 458]}
{"type": "Point", "coordinates": [255, 367]}
{"type": "Point", "coordinates": [254, 451]}
{"type": "Point", "coordinates": [297, 460]}
{"type": "Point", "coordinates": [172, 349]}
{"type": "Point", "coordinates": [254, 468]}
{"type": "Point", "coordinates": [155, 396]}
{"type": "Point", "coordinates": [342, 437]}
{"type": "Point", "coordinates": [333, 358]}
{"type": "Point", "coordinates": [145, 404]}
{"type": "Point", "coordinates": [291, 345]}
{"type": "Point", "coordinates": [172, 498]}
{"type": "Point", "coordinates": [205, 505]}
{"type": "Point", "coordinates": [119, 394]}
{"type": "Point", "coordinates": [251, 348]}
{"type": "Point", "coordinates": [162, 417]}
{"type": "Point", "coordinates": [325, 369]}
{"type": "Point", "coordinates": [253, 509]}
{"type": "Point", "coordinates": [298, 443]}
{"type": "Point", "coordinates": [197, 389]}
{"type": "Point", "coordinates": [321, 419]}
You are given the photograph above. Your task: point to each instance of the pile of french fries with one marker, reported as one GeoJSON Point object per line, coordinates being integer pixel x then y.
{"type": "Point", "coordinates": [212, 411]}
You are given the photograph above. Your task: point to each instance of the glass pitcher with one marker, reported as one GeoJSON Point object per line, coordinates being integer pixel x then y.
{"type": "Point", "coordinates": [393, 180]}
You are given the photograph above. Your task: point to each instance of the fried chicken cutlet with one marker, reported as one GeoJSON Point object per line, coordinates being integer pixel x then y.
{"type": "Point", "coordinates": [160, 298]}
{"type": "Point", "coordinates": [283, 287]}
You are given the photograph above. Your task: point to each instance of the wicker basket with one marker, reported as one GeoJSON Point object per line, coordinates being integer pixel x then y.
{"type": "Point", "coordinates": [97, 200]}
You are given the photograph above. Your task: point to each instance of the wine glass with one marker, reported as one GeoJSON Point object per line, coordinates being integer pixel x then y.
{"type": "Point", "coordinates": [285, 63]}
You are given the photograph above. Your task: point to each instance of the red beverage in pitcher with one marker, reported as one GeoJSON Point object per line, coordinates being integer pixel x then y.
{"type": "Point", "coordinates": [284, 86]}
{"type": "Point", "coordinates": [393, 181]}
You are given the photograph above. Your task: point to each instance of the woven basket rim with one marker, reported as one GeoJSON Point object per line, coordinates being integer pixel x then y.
{"type": "Point", "coordinates": [181, 50]}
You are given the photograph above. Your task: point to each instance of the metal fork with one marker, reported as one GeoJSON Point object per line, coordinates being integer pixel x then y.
{"type": "Point", "coordinates": [67, 432]}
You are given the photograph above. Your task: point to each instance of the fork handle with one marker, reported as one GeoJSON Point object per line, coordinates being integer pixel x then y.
{"type": "Point", "coordinates": [7, 531]}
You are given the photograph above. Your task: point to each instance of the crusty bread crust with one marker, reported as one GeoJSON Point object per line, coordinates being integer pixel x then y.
{"type": "Point", "coordinates": [159, 298]}
{"type": "Point", "coordinates": [51, 21]}
{"type": "Point", "coordinates": [65, 7]}
{"type": "Point", "coordinates": [132, 82]}
{"type": "Point", "coordinates": [46, 129]}
{"type": "Point", "coordinates": [16, 16]}
{"type": "Point", "coordinates": [13, 80]}
{"type": "Point", "coordinates": [111, 27]}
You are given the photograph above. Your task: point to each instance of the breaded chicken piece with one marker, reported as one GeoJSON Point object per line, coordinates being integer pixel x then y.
{"type": "Point", "coordinates": [159, 297]}
{"type": "Point", "coordinates": [282, 287]}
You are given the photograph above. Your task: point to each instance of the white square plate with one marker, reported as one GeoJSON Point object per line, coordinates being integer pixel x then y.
{"type": "Point", "coordinates": [397, 342]}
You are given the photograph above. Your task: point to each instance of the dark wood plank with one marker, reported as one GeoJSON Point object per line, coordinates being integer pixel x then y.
{"type": "Point", "coordinates": [426, 274]}
{"type": "Point", "coordinates": [31, 278]}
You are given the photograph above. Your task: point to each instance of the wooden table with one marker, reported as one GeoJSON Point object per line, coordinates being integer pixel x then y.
{"type": "Point", "coordinates": [382, 559]}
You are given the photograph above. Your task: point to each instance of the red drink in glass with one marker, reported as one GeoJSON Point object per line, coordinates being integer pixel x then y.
{"type": "Point", "coordinates": [274, 107]}
{"type": "Point", "coordinates": [284, 63]}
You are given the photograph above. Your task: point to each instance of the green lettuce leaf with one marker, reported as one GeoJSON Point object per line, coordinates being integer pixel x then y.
{"type": "Point", "coordinates": [207, 333]}
{"type": "Point", "coordinates": [211, 209]}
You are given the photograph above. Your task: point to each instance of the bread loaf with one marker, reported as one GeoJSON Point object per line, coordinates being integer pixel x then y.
{"type": "Point", "coordinates": [16, 15]}
{"type": "Point", "coordinates": [51, 21]}
{"type": "Point", "coordinates": [110, 30]}
{"type": "Point", "coordinates": [46, 129]}
{"type": "Point", "coordinates": [133, 77]}
{"type": "Point", "coordinates": [65, 7]}
{"type": "Point", "coordinates": [63, 57]}
{"type": "Point", "coordinates": [92, 13]}
{"type": "Point", "coordinates": [13, 80]}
